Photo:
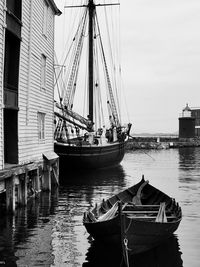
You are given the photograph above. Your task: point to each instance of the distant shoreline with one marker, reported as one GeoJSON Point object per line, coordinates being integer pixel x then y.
{"type": "Point", "coordinates": [161, 142]}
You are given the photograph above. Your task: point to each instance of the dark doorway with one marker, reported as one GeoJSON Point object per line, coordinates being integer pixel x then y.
{"type": "Point", "coordinates": [11, 136]}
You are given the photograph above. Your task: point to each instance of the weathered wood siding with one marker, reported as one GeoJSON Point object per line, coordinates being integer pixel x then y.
{"type": "Point", "coordinates": [2, 23]}
{"type": "Point", "coordinates": [33, 98]}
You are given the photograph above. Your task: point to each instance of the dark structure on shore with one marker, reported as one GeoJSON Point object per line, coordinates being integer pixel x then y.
{"type": "Point", "coordinates": [186, 124]}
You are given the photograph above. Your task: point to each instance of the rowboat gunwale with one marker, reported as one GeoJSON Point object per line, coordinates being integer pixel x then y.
{"type": "Point", "coordinates": [109, 231]}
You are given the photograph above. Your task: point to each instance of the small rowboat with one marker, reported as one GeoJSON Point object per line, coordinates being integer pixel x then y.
{"type": "Point", "coordinates": [136, 219]}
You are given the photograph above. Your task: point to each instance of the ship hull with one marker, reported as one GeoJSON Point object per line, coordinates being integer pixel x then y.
{"type": "Point", "coordinates": [90, 157]}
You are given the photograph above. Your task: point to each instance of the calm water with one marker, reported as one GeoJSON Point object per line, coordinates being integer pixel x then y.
{"type": "Point", "coordinates": [49, 232]}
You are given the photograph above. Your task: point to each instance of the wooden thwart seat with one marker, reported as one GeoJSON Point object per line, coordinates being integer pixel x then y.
{"type": "Point", "coordinates": [149, 217]}
{"type": "Point", "coordinates": [144, 206]}
{"type": "Point", "coordinates": [140, 211]}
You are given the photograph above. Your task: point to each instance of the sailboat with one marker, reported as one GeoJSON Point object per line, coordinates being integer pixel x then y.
{"type": "Point", "coordinates": [86, 141]}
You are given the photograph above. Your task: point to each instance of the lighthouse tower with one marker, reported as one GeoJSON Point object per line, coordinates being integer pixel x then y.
{"type": "Point", "coordinates": [186, 124]}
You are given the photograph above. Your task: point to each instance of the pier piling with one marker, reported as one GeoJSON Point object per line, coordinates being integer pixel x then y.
{"type": "Point", "coordinates": [19, 183]}
{"type": "Point", "coordinates": [10, 194]}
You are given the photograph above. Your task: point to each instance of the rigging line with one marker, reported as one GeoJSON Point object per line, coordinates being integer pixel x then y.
{"type": "Point", "coordinates": [86, 84]}
{"type": "Point", "coordinates": [75, 78]}
{"type": "Point", "coordinates": [56, 78]}
{"type": "Point", "coordinates": [148, 155]}
{"type": "Point", "coordinates": [107, 91]}
{"type": "Point", "coordinates": [143, 150]}
{"type": "Point", "coordinates": [101, 56]}
{"type": "Point", "coordinates": [96, 85]}
{"type": "Point", "coordinates": [119, 89]}
{"type": "Point", "coordinates": [109, 40]}
{"type": "Point", "coordinates": [116, 65]}
{"type": "Point", "coordinates": [121, 81]}
{"type": "Point", "coordinates": [101, 114]}
{"type": "Point", "coordinates": [114, 110]}
{"type": "Point", "coordinates": [74, 39]}
{"type": "Point", "coordinates": [126, 105]}
{"type": "Point", "coordinates": [71, 26]}
{"type": "Point", "coordinates": [65, 59]}
{"type": "Point", "coordinates": [75, 65]}
{"type": "Point", "coordinates": [112, 57]}
{"type": "Point", "coordinates": [57, 84]}
{"type": "Point", "coordinates": [97, 90]}
{"type": "Point", "coordinates": [59, 71]}
{"type": "Point", "coordinates": [113, 40]}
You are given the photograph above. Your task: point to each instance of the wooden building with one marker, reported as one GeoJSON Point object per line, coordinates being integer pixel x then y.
{"type": "Point", "coordinates": [26, 80]}
{"type": "Point", "coordinates": [28, 163]}
{"type": "Point", "coordinates": [196, 114]}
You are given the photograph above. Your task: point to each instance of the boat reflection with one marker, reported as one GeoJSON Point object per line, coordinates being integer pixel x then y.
{"type": "Point", "coordinates": [85, 186]}
{"type": "Point", "coordinates": [94, 178]}
{"type": "Point", "coordinates": [166, 254]}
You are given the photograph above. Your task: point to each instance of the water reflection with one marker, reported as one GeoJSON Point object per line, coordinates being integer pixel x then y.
{"type": "Point", "coordinates": [189, 158]}
{"type": "Point", "coordinates": [166, 255]}
{"type": "Point", "coordinates": [79, 190]}
{"type": "Point", "coordinates": [189, 190]}
{"type": "Point", "coordinates": [49, 232]}
{"type": "Point", "coordinates": [100, 177]}
{"type": "Point", "coordinates": [85, 185]}
{"type": "Point", "coordinates": [28, 234]}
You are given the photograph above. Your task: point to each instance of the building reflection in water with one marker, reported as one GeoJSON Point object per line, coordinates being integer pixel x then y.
{"type": "Point", "coordinates": [189, 159]}
{"type": "Point", "coordinates": [26, 237]}
{"type": "Point", "coordinates": [166, 254]}
{"type": "Point", "coordinates": [189, 192]}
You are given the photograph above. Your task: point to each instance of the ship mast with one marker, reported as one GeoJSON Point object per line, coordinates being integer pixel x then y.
{"type": "Point", "coordinates": [91, 13]}
{"type": "Point", "coordinates": [91, 8]}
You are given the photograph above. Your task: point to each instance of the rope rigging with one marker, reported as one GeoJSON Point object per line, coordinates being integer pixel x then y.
{"type": "Point", "coordinates": [71, 86]}
{"type": "Point", "coordinates": [113, 105]}
{"type": "Point", "coordinates": [71, 81]}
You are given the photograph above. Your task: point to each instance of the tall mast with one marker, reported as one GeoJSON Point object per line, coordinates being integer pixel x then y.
{"type": "Point", "coordinates": [91, 8]}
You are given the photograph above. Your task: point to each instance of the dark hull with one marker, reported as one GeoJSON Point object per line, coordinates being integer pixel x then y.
{"type": "Point", "coordinates": [167, 254]}
{"type": "Point", "coordinates": [90, 157]}
{"type": "Point", "coordinates": [142, 234]}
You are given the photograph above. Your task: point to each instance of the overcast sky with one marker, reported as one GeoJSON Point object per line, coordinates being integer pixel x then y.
{"type": "Point", "coordinates": [160, 43]}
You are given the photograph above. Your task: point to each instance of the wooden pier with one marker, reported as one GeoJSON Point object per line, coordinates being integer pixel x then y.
{"type": "Point", "coordinates": [20, 182]}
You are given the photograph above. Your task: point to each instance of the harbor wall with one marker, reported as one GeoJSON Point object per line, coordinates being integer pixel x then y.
{"type": "Point", "coordinates": [155, 142]}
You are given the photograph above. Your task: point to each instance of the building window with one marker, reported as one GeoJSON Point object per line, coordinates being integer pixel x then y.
{"type": "Point", "coordinates": [15, 6]}
{"type": "Point", "coordinates": [43, 71]}
{"type": "Point", "coordinates": [41, 126]}
{"type": "Point", "coordinates": [45, 18]}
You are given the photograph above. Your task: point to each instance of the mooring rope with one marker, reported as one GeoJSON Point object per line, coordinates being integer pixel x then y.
{"type": "Point", "coordinates": [126, 251]}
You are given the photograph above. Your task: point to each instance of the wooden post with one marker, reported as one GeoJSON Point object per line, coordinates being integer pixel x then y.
{"type": "Point", "coordinates": [37, 181]}
{"type": "Point", "coordinates": [20, 190]}
{"type": "Point", "coordinates": [10, 194]}
{"type": "Point", "coordinates": [49, 160]}
{"type": "Point", "coordinates": [55, 172]}
{"type": "Point", "coordinates": [22, 194]}
{"type": "Point", "coordinates": [46, 186]}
